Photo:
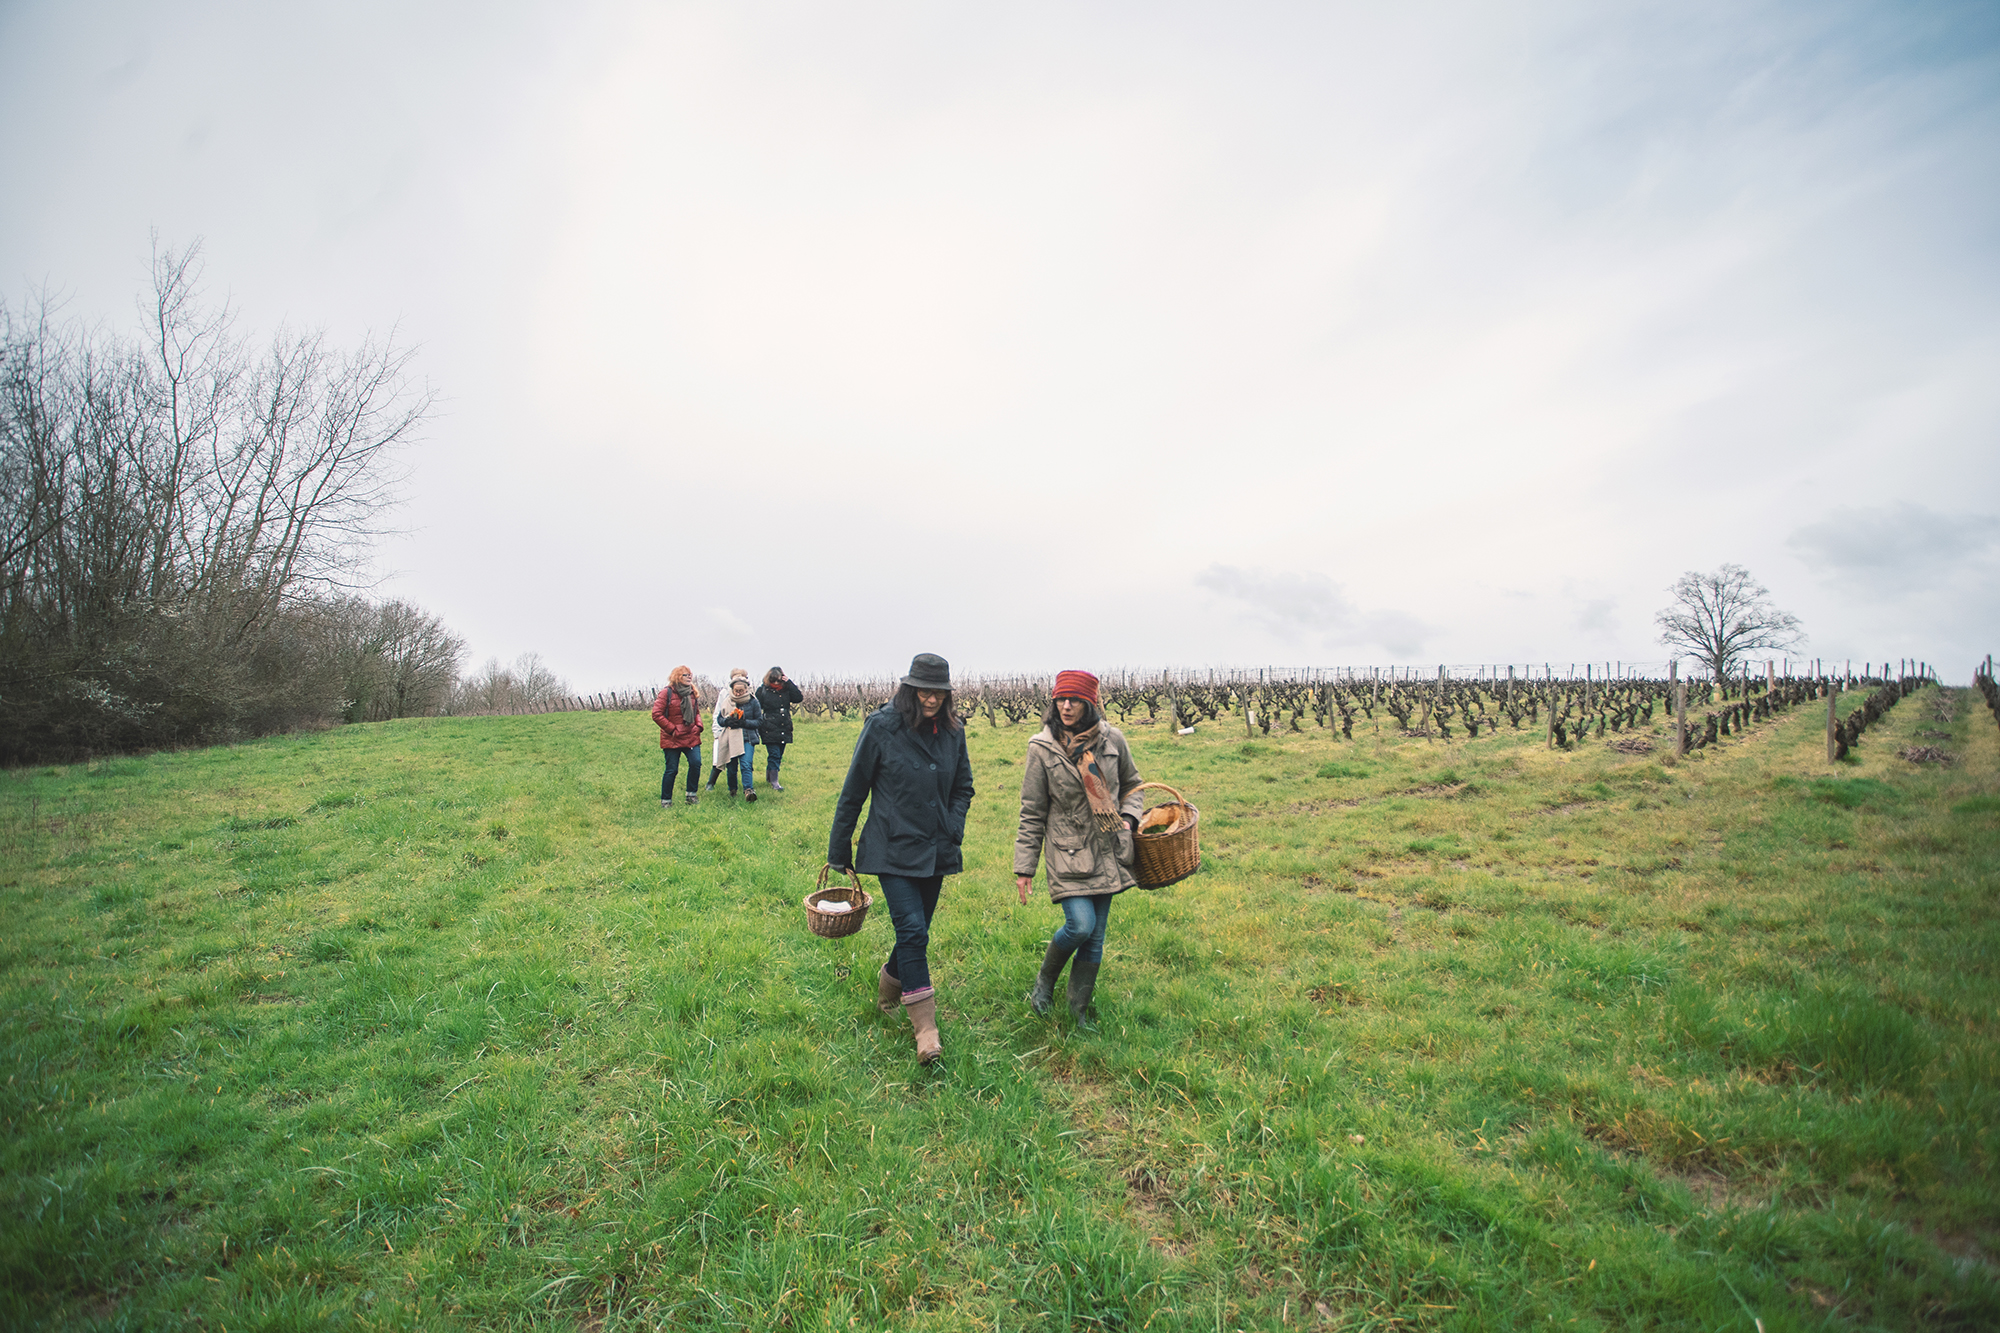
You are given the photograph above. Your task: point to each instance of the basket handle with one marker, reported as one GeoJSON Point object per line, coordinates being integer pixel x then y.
{"type": "Point", "coordinates": [1178, 798]}
{"type": "Point", "coordinates": [854, 880]}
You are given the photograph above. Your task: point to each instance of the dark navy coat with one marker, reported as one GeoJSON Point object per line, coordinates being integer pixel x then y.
{"type": "Point", "coordinates": [776, 728]}
{"type": "Point", "coordinates": [918, 788]}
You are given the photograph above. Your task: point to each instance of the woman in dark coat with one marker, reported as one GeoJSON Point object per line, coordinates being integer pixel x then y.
{"type": "Point", "coordinates": [776, 697]}
{"type": "Point", "coordinates": [911, 767]}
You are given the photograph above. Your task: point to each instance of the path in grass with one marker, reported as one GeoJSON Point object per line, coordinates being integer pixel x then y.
{"type": "Point", "coordinates": [447, 1023]}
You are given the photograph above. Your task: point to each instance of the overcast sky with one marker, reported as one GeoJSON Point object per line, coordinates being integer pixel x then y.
{"type": "Point", "coordinates": [1100, 335]}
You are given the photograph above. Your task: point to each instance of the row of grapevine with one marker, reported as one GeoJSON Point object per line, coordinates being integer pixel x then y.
{"type": "Point", "coordinates": [1566, 710]}
{"type": "Point", "coordinates": [1982, 677]}
{"type": "Point", "coordinates": [1847, 732]}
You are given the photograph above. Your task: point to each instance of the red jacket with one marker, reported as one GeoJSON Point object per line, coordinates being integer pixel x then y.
{"type": "Point", "coordinates": [674, 733]}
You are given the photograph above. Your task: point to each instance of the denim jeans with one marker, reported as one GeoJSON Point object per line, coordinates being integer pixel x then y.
{"type": "Point", "coordinates": [912, 904]}
{"type": "Point", "coordinates": [1082, 933]}
{"type": "Point", "coordinates": [774, 755]}
{"type": "Point", "coordinates": [746, 763]}
{"type": "Point", "coordinates": [693, 753]}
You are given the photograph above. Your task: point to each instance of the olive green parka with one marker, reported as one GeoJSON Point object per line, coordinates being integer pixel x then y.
{"type": "Point", "coordinates": [1057, 826]}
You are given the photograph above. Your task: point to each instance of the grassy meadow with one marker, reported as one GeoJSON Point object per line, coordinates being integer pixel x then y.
{"type": "Point", "coordinates": [447, 1024]}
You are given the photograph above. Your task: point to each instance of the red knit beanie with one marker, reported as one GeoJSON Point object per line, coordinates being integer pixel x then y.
{"type": "Point", "coordinates": [1076, 685]}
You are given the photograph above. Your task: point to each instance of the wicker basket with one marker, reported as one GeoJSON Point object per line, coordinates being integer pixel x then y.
{"type": "Point", "coordinates": [833, 925]}
{"type": "Point", "coordinates": [1168, 855]}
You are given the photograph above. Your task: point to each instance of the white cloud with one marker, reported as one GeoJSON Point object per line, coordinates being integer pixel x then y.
{"type": "Point", "coordinates": [1596, 616]}
{"type": "Point", "coordinates": [1896, 549]}
{"type": "Point", "coordinates": [1309, 607]}
{"type": "Point", "coordinates": [731, 625]}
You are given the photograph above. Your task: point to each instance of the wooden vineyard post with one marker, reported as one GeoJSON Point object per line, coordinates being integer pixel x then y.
{"type": "Point", "coordinates": [1677, 688]}
{"type": "Point", "coordinates": [1552, 718]}
{"type": "Point", "coordinates": [1832, 746]}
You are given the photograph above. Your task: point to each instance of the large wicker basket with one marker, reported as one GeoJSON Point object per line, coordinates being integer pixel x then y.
{"type": "Point", "coordinates": [1168, 854]}
{"type": "Point", "coordinates": [833, 925]}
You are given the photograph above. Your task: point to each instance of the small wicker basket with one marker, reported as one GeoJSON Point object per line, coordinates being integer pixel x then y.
{"type": "Point", "coordinates": [834, 925]}
{"type": "Point", "coordinates": [1163, 856]}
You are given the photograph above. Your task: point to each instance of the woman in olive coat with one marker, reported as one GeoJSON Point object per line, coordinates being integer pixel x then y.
{"type": "Point", "coordinates": [911, 767]}
{"type": "Point", "coordinates": [1080, 807]}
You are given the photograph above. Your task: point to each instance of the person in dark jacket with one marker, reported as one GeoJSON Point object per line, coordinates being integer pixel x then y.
{"type": "Point", "coordinates": [677, 710]}
{"type": "Point", "coordinates": [776, 697]}
{"type": "Point", "coordinates": [910, 765]}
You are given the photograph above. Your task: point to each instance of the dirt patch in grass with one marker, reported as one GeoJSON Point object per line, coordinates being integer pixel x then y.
{"type": "Point", "coordinates": [1309, 807]}
{"type": "Point", "coordinates": [1149, 1193]}
{"type": "Point", "coordinates": [1714, 1191]}
{"type": "Point", "coordinates": [1971, 1251]}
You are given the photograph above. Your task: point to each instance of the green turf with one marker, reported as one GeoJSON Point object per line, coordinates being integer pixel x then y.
{"type": "Point", "coordinates": [445, 1023]}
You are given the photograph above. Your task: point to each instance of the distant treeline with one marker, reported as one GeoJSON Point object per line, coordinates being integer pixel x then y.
{"type": "Point", "coordinates": [181, 517]}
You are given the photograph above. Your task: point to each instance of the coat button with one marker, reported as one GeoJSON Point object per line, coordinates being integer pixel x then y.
{"type": "Point", "coordinates": [933, 768]}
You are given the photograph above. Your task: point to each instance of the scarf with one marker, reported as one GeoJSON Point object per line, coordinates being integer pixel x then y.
{"type": "Point", "coordinates": [1083, 748]}
{"type": "Point", "coordinates": [690, 706]}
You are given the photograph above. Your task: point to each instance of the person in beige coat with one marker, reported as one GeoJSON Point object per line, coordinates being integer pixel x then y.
{"type": "Point", "coordinates": [1080, 807]}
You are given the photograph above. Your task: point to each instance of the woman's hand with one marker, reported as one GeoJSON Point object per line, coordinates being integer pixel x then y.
{"type": "Point", "coordinates": [1021, 885]}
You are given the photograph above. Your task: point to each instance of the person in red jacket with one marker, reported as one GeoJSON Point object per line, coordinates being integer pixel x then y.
{"type": "Point", "coordinates": [678, 712]}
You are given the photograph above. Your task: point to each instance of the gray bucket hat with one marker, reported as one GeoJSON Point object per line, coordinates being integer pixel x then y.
{"type": "Point", "coordinates": [928, 671]}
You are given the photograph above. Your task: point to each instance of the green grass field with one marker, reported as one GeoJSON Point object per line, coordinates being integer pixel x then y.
{"type": "Point", "coordinates": [446, 1023]}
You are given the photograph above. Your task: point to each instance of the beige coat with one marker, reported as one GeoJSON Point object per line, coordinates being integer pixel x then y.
{"type": "Point", "coordinates": [728, 740]}
{"type": "Point", "coordinates": [1083, 859]}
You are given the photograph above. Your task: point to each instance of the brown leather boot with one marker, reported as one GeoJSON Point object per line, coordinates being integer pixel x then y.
{"type": "Point", "coordinates": [923, 1017]}
{"type": "Point", "coordinates": [888, 992]}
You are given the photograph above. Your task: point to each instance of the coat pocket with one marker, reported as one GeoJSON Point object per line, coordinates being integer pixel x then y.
{"type": "Point", "coordinates": [1070, 860]}
{"type": "Point", "coordinates": [1126, 850]}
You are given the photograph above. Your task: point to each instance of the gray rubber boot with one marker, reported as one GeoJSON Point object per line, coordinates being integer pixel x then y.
{"type": "Point", "coordinates": [1082, 981]}
{"type": "Point", "coordinates": [888, 992]}
{"type": "Point", "coordinates": [1042, 995]}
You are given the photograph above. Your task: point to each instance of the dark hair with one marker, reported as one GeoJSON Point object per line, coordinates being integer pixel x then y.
{"type": "Point", "coordinates": [773, 674]}
{"type": "Point", "coordinates": [913, 712]}
{"type": "Point", "coordinates": [1092, 715]}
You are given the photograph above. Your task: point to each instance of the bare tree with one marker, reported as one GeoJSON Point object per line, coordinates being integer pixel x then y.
{"type": "Point", "coordinates": [387, 659]}
{"type": "Point", "coordinates": [1722, 617]}
{"type": "Point", "coordinates": [170, 508]}
{"type": "Point", "coordinates": [498, 689]}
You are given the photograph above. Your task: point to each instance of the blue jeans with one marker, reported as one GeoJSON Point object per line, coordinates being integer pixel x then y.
{"type": "Point", "coordinates": [773, 756]}
{"type": "Point", "coordinates": [693, 753]}
{"type": "Point", "coordinates": [912, 904]}
{"type": "Point", "coordinates": [745, 764]}
{"type": "Point", "coordinates": [1082, 933]}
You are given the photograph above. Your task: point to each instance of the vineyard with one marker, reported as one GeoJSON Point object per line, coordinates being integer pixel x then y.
{"type": "Point", "coordinates": [1617, 705]}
